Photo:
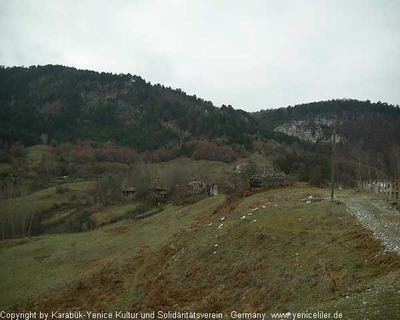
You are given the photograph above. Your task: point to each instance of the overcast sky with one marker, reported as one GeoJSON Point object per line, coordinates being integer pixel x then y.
{"type": "Point", "coordinates": [250, 54]}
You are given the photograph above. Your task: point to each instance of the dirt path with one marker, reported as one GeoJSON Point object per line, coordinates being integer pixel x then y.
{"type": "Point", "coordinates": [375, 215]}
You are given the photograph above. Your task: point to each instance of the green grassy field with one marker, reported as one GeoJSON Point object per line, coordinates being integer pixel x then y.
{"type": "Point", "coordinates": [31, 268]}
{"type": "Point", "coordinates": [46, 199]}
{"type": "Point", "coordinates": [287, 255]}
{"type": "Point", "coordinates": [35, 154]}
{"type": "Point", "coordinates": [215, 169]}
{"type": "Point", "coordinates": [108, 214]}
{"type": "Point", "coordinates": [33, 158]}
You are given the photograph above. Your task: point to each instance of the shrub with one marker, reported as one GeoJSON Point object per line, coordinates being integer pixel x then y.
{"type": "Point", "coordinates": [62, 189]}
{"type": "Point", "coordinates": [4, 156]}
{"type": "Point", "coordinates": [17, 150]}
{"type": "Point", "coordinates": [210, 151]}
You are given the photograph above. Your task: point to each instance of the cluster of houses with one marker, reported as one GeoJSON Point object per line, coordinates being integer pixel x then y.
{"type": "Point", "coordinates": [158, 188]}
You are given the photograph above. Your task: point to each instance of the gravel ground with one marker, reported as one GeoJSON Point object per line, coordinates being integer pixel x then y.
{"type": "Point", "coordinates": [375, 215]}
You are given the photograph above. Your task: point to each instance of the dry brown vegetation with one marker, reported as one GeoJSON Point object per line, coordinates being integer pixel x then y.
{"type": "Point", "coordinates": [294, 256]}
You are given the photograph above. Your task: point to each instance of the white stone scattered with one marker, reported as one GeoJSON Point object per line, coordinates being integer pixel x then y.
{"type": "Point", "coordinates": [223, 218]}
{"type": "Point", "coordinates": [263, 207]}
{"type": "Point", "coordinates": [253, 221]}
{"type": "Point", "coordinates": [299, 219]}
{"type": "Point", "coordinates": [310, 197]}
{"type": "Point", "coordinates": [308, 202]}
{"type": "Point", "coordinates": [210, 224]}
{"type": "Point", "coordinates": [250, 214]}
{"type": "Point", "coordinates": [242, 217]}
{"type": "Point", "coordinates": [215, 252]}
{"type": "Point", "coordinates": [216, 245]}
{"type": "Point", "coordinates": [276, 205]}
{"type": "Point", "coordinates": [220, 226]}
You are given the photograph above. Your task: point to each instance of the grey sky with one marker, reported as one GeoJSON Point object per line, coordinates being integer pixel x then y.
{"type": "Point", "coordinates": [251, 54]}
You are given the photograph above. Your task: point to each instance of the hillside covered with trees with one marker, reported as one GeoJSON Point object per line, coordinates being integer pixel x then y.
{"type": "Point", "coordinates": [368, 136]}
{"type": "Point", "coordinates": [56, 105]}
{"type": "Point", "coordinates": [65, 104]}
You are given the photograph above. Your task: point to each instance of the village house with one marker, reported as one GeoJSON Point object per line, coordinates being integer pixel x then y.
{"type": "Point", "coordinates": [128, 192]}
{"type": "Point", "coordinates": [198, 187]}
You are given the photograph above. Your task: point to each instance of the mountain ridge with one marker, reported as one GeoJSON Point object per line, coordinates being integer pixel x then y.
{"type": "Point", "coordinates": [43, 104]}
{"type": "Point", "coordinates": [68, 104]}
{"type": "Point", "coordinates": [104, 107]}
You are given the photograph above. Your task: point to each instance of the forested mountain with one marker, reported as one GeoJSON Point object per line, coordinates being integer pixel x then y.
{"type": "Point", "coordinates": [67, 104]}
{"type": "Point", "coordinates": [368, 134]}
{"type": "Point", "coordinates": [369, 125]}
{"type": "Point", "coordinates": [63, 104]}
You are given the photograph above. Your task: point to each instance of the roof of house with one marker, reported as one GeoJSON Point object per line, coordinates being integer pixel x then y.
{"type": "Point", "coordinates": [130, 189]}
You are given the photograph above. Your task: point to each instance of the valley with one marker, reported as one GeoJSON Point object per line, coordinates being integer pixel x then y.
{"type": "Point", "coordinates": [122, 197]}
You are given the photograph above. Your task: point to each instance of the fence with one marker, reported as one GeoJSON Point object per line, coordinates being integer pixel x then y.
{"type": "Point", "coordinates": [385, 187]}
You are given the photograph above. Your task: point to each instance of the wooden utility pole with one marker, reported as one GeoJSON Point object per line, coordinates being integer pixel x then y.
{"type": "Point", "coordinates": [333, 160]}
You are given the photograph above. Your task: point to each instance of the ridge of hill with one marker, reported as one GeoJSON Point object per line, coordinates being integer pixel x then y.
{"type": "Point", "coordinates": [368, 136]}
{"type": "Point", "coordinates": [357, 122]}
{"type": "Point", "coordinates": [40, 104]}
{"type": "Point", "coordinates": [67, 104]}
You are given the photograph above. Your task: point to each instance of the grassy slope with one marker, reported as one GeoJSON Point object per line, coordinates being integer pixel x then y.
{"type": "Point", "coordinates": [46, 199]}
{"type": "Point", "coordinates": [295, 256]}
{"type": "Point", "coordinates": [55, 206]}
{"type": "Point", "coordinates": [61, 261]}
{"type": "Point", "coordinates": [215, 169]}
{"type": "Point", "coordinates": [35, 153]}
{"type": "Point", "coordinates": [29, 164]}
{"type": "Point", "coordinates": [34, 156]}
{"type": "Point", "coordinates": [106, 215]}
